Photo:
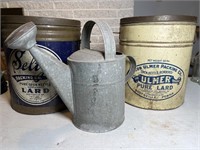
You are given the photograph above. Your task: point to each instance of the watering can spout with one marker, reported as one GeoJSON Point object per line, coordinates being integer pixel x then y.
{"type": "Point", "coordinates": [58, 73]}
{"type": "Point", "coordinates": [93, 85]}
{"type": "Point", "coordinates": [24, 38]}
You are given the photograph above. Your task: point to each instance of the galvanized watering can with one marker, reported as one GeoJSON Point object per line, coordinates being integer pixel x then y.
{"type": "Point", "coordinates": [92, 85]}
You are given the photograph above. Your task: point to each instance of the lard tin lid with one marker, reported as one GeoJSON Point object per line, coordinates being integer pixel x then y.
{"type": "Point", "coordinates": [161, 18]}
{"type": "Point", "coordinates": [87, 55]}
{"type": "Point", "coordinates": [16, 19]}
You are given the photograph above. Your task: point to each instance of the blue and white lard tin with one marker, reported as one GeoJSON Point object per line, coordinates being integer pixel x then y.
{"type": "Point", "coordinates": [31, 91]}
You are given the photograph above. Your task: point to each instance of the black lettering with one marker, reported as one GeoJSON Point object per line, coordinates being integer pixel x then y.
{"type": "Point", "coordinates": [46, 90]}
{"type": "Point", "coordinates": [17, 63]}
{"type": "Point", "coordinates": [37, 90]}
{"type": "Point", "coordinates": [24, 66]}
{"type": "Point", "coordinates": [33, 65]}
{"type": "Point", "coordinates": [23, 90]}
{"type": "Point", "coordinates": [30, 91]}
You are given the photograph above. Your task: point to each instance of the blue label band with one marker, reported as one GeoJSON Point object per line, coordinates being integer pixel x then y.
{"type": "Point", "coordinates": [156, 80]}
{"type": "Point", "coordinates": [62, 48]}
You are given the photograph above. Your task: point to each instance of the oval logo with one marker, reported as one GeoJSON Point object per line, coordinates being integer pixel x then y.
{"type": "Point", "coordinates": [27, 79]}
{"type": "Point", "coordinates": [156, 81]}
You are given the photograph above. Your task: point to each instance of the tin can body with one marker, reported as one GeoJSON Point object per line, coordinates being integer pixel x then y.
{"type": "Point", "coordinates": [162, 50]}
{"type": "Point", "coordinates": [31, 91]}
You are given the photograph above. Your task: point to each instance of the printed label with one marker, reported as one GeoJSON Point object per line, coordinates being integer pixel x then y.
{"type": "Point", "coordinates": [157, 80]}
{"type": "Point", "coordinates": [28, 81]}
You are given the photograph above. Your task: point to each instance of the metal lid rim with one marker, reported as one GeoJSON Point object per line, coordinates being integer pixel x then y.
{"type": "Point", "coordinates": [159, 18]}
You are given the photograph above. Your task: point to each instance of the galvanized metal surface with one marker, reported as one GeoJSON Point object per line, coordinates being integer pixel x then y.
{"type": "Point", "coordinates": [94, 92]}
{"type": "Point", "coordinates": [110, 48]}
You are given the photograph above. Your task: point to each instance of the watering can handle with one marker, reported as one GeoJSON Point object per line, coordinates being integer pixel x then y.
{"type": "Point", "coordinates": [132, 68]}
{"type": "Point", "coordinates": [108, 38]}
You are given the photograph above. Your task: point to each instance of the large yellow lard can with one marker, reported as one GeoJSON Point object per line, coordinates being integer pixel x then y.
{"type": "Point", "coordinates": [162, 47]}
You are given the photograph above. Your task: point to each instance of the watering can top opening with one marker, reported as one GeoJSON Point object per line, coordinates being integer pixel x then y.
{"type": "Point", "coordinates": [87, 55]}
{"type": "Point", "coordinates": [90, 55]}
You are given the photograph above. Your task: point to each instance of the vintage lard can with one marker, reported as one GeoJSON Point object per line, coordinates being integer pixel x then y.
{"type": "Point", "coordinates": [31, 91]}
{"type": "Point", "coordinates": [162, 47]}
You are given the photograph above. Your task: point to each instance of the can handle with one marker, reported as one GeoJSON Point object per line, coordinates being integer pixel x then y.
{"type": "Point", "coordinates": [132, 68]}
{"type": "Point", "coordinates": [108, 38]}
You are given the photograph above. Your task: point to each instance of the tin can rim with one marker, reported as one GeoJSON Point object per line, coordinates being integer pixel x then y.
{"type": "Point", "coordinates": [159, 18]}
{"type": "Point", "coordinates": [17, 19]}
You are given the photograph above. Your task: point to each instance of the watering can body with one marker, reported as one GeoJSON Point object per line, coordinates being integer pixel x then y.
{"type": "Point", "coordinates": [98, 95]}
{"type": "Point", "coordinates": [92, 85]}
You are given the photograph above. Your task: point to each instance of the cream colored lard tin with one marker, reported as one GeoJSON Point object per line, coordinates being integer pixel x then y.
{"type": "Point", "coordinates": [162, 47]}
